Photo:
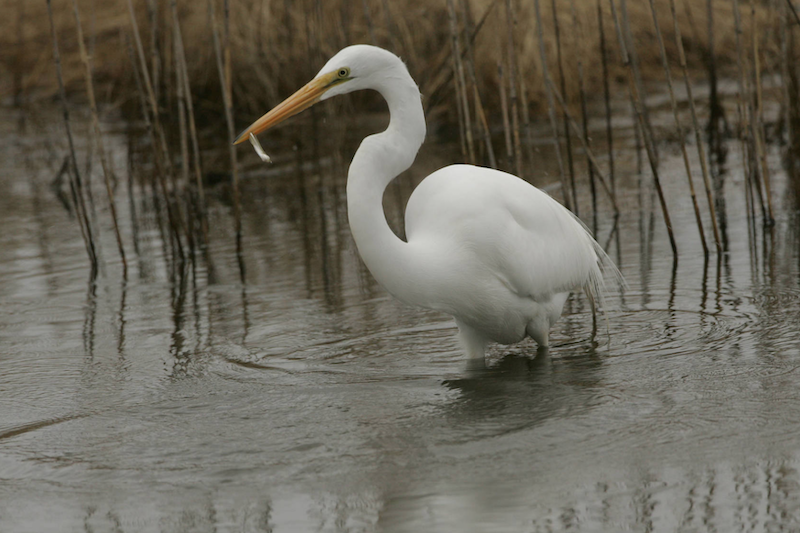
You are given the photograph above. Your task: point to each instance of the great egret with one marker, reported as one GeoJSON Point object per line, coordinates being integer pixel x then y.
{"type": "Point", "coordinates": [484, 246]}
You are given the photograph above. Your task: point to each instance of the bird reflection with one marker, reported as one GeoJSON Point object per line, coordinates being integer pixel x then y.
{"type": "Point", "coordinates": [509, 365]}
{"type": "Point", "coordinates": [517, 392]}
{"type": "Point", "coordinates": [486, 380]}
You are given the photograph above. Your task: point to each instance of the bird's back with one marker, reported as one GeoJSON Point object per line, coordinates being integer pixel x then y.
{"type": "Point", "coordinates": [516, 231]}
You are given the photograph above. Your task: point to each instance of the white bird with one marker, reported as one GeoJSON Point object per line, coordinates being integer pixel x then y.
{"type": "Point", "coordinates": [484, 246]}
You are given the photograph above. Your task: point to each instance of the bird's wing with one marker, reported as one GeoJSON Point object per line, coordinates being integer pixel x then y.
{"type": "Point", "coordinates": [534, 245]}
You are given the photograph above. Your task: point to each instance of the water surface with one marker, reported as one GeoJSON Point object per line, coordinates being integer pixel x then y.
{"type": "Point", "coordinates": [307, 399]}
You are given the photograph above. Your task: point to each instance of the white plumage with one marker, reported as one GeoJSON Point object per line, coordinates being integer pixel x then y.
{"type": "Point", "coordinates": [484, 246]}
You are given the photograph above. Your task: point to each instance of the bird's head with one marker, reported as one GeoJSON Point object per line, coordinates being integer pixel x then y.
{"type": "Point", "coordinates": [353, 68]}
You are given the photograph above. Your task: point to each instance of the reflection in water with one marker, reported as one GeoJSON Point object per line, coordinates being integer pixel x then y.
{"type": "Point", "coordinates": [302, 398]}
{"type": "Point", "coordinates": [89, 321]}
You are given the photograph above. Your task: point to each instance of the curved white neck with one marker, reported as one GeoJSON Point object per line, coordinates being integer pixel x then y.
{"type": "Point", "coordinates": [379, 160]}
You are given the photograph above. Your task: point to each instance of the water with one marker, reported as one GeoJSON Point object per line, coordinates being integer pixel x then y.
{"type": "Point", "coordinates": [306, 399]}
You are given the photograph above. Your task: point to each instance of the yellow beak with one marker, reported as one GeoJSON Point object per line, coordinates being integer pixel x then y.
{"type": "Point", "coordinates": [304, 98]}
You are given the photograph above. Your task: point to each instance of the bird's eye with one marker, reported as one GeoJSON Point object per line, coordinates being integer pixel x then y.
{"type": "Point", "coordinates": [343, 73]}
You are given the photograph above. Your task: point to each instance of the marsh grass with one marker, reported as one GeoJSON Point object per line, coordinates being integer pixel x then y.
{"type": "Point", "coordinates": [276, 45]}
{"type": "Point", "coordinates": [185, 66]}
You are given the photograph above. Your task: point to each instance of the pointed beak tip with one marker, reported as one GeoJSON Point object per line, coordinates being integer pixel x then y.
{"type": "Point", "coordinates": [303, 98]}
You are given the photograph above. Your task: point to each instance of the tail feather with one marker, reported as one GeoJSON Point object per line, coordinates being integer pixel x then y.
{"type": "Point", "coordinates": [595, 288]}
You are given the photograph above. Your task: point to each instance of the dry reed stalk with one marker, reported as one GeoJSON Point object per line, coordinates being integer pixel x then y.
{"type": "Point", "coordinates": [524, 107]}
{"type": "Point", "coordinates": [749, 204]}
{"type": "Point", "coordinates": [716, 112]}
{"type": "Point", "coordinates": [678, 126]}
{"type": "Point", "coordinates": [576, 26]}
{"type": "Point", "coordinates": [563, 85]}
{"type": "Point", "coordinates": [501, 84]}
{"type": "Point", "coordinates": [479, 111]}
{"type": "Point", "coordinates": [624, 55]}
{"type": "Point", "coordinates": [690, 21]}
{"type": "Point", "coordinates": [148, 85]}
{"type": "Point", "coordinates": [487, 134]}
{"type": "Point", "coordinates": [633, 52]}
{"type": "Point", "coordinates": [231, 131]}
{"type": "Point", "coordinates": [226, 47]}
{"type": "Point", "coordinates": [406, 36]}
{"type": "Point", "coordinates": [462, 137]}
{"type": "Point", "coordinates": [144, 106]}
{"type": "Point", "coordinates": [155, 56]}
{"type": "Point", "coordinates": [370, 24]}
{"type": "Point", "coordinates": [637, 134]}
{"type": "Point", "coordinates": [463, 81]}
{"type": "Point", "coordinates": [227, 99]}
{"type": "Point", "coordinates": [512, 87]}
{"type": "Point", "coordinates": [784, 65]}
{"type": "Point", "coordinates": [526, 118]}
{"type": "Point", "coordinates": [187, 92]}
{"type": "Point", "coordinates": [794, 11]}
{"type": "Point", "coordinates": [758, 120]}
{"type": "Point", "coordinates": [87, 174]}
{"type": "Point", "coordinates": [744, 104]}
{"type": "Point", "coordinates": [159, 139]}
{"type": "Point", "coordinates": [696, 126]}
{"type": "Point", "coordinates": [462, 102]}
{"type": "Point", "coordinates": [606, 99]}
{"type": "Point", "coordinates": [315, 32]}
{"type": "Point", "coordinates": [439, 65]}
{"type": "Point", "coordinates": [551, 107]}
{"type": "Point", "coordinates": [182, 126]}
{"type": "Point", "coordinates": [571, 122]}
{"type": "Point", "coordinates": [76, 185]}
{"type": "Point", "coordinates": [132, 188]}
{"type": "Point", "coordinates": [626, 41]}
{"type": "Point", "coordinates": [793, 113]}
{"type": "Point", "coordinates": [98, 134]}
{"type": "Point", "coordinates": [20, 49]}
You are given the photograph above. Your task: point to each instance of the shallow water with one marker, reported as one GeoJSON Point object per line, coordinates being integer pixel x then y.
{"type": "Point", "coordinates": [306, 399]}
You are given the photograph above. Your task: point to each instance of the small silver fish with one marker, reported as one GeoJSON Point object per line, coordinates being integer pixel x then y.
{"type": "Point", "coordinates": [260, 151]}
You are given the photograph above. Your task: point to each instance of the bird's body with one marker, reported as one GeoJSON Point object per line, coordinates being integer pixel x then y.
{"type": "Point", "coordinates": [484, 246]}
{"type": "Point", "coordinates": [498, 273]}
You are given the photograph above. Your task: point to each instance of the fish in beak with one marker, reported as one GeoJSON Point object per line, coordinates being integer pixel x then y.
{"type": "Point", "coordinates": [304, 98]}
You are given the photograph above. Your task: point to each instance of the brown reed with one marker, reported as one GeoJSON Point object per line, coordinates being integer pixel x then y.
{"type": "Point", "coordinates": [20, 45]}
{"type": "Point", "coordinates": [571, 122]}
{"type": "Point", "coordinates": [563, 85]}
{"type": "Point", "coordinates": [180, 56]}
{"type": "Point", "coordinates": [76, 185]}
{"type": "Point", "coordinates": [758, 120]}
{"type": "Point", "coordinates": [163, 161]}
{"type": "Point", "coordinates": [470, 62]}
{"type": "Point", "coordinates": [744, 101]}
{"type": "Point", "coordinates": [606, 98]}
{"type": "Point", "coordinates": [794, 11]}
{"type": "Point", "coordinates": [504, 111]}
{"type": "Point", "coordinates": [551, 108]}
{"type": "Point", "coordinates": [511, 54]}
{"type": "Point", "coordinates": [462, 104]}
{"type": "Point", "coordinates": [222, 52]}
{"type": "Point", "coordinates": [170, 84]}
{"type": "Point", "coordinates": [678, 127]}
{"type": "Point", "coordinates": [98, 137]}
{"type": "Point", "coordinates": [695, 126]}
{"type": "Point", "coordinates": [579, 33]}
{"type": "Point", "coordinates": [716, 112]}
{"type": "Point", "coordinates": [155, 47]}
{"type": "Point", "coordinates": [626, 45]}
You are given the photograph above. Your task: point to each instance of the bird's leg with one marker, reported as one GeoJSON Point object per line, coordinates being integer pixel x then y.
{"type": "Point", "coordinates": [540, 332]}
{"type": "Point", "coordinates": [473, 343]}
{"type": "Point", "coordinates": [543, 340]}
